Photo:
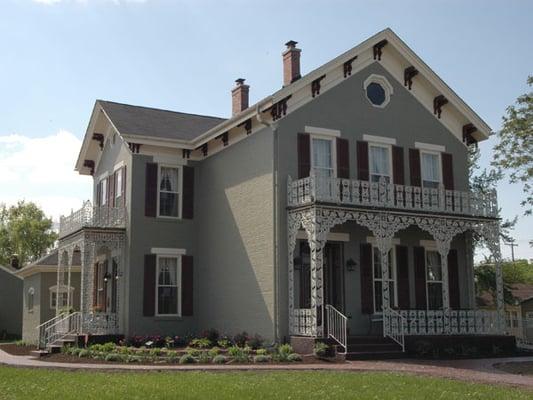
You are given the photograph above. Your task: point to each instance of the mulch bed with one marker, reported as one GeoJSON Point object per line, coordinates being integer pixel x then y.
{"type": "Point", "coordinates": [15, 350]}
{"type": "Point", "coordinates": [520, 368]}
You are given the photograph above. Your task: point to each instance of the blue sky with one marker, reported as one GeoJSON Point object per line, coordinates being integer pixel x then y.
{"type": "Point", "coordinates": [58, 56]}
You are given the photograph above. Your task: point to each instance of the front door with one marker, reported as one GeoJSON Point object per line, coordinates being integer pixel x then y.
{"type": "Point", "coordinates": [334, 275]}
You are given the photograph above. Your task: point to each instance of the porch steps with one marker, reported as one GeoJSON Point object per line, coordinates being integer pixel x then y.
{"type": "Point", "coordinates": [371, 348]}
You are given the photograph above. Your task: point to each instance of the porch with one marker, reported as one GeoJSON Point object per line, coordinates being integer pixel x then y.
{"type": "Point", "coordinates": [98, 235]}
{"type": "Point", "coordinates": [316, 207]}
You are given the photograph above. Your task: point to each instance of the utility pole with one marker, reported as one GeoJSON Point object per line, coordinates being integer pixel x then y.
{"type": "Point", "coordinates": [513, 245]}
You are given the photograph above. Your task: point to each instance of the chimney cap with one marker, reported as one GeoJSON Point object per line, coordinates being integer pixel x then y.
{"type": "Point", "coordinates": [239, 81]}
{"type": "Point", "coordinates": [291, 44]}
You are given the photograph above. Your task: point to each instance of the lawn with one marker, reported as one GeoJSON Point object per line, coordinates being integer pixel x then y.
{"type": "Point", "coordinates": [19, 383]}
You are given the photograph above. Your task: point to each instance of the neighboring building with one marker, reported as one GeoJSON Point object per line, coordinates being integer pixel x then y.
{"type": "Point", "coordinates": [339, 204]}
{"type": "Point", "coordinates": [41, 295]}
{"type": "Point", "coordinates": [10, 303]}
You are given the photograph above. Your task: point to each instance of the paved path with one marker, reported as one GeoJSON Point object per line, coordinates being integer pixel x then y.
{"type": "Point", "coordinates": [480, 370]}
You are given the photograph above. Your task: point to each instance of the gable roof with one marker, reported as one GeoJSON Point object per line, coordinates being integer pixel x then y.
{"type": "Point", "coordinates": [189, 131]}
{"type": "Point", "coordinates": [47, 263]}
{"type": "Point", "coordinates": [153, 122]}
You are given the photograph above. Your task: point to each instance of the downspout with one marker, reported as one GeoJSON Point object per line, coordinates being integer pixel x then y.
{"type": "Point", "coordinates": [275, 191]}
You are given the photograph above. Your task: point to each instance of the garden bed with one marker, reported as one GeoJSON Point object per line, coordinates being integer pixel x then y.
{"type": "Point", "coordinates": [519, 367]}
{"type": "Point", "coordinates": [17, 349]}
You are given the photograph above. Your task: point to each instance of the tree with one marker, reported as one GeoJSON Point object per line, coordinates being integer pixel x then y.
{"type": "Point", "coordinates": [24, 231]}
{"type": "Point", "coordinates": [514, 151]}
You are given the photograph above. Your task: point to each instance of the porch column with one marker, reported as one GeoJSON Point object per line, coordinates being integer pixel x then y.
{"type": "Point", "coordinates": [317, 288]}
{"type": "Point", "coordinates": [443, 251]}
{"type": "Point", "coordinates": [384, 245]}
{"type": "Point", "coordinates": [293, 224]}
{"type": "Point", "coordinates": [470, 269]}
{"type": "Point", "coordinates": [69, 297]}
{"type": "Point", "coordinates": [493, 241]}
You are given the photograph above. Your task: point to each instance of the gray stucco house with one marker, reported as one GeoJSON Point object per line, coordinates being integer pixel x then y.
{"type": "Point", "coordinates": [10, 303]}
{"type": "Point", "coordinates": [337, 206]}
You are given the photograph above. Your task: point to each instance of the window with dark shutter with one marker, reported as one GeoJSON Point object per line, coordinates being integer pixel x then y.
{"type": "Point", "coordinates": [414, 167]}
{"type": "Point", "coordinates": [150, 195]}
{"type": "Point", "coordinates": [188, 193]}
{"type": "Point", "coordinates": [149, 285]}
{"type": "Point", "coordinates": [362, 161]}
{"type": "Point", "coordinates": [420, 277]}
{"type": "Point", "coordinates": [453, 280]}
{"type": "Point", "coordinates": [98, 194]}
{"type": "Point", "coordinates": [343, 159]}
{"type": "Point", "coordinates": [398, 176]}
{"type": "Point", "coordinates": [111, 191]}
{"type": "Point", "coordinates": [187, 280]}
{"type": "Point", "coordinates": [304, 155]}
{"type": "Point", "coordinates": [124, 186]}
{"type": "Point", "coordinates": [447, 171]}
{"type": "Point", "coordinates": [367, 301]}
{"type": "Point", "coordinates": [402, 270]}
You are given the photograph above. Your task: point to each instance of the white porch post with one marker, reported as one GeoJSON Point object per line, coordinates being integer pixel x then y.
{"type": "Point", "coordinates": [443, 251]}
{"type": "Point", "coordinates": [317, 287]}
{"type": "Point", "coordinates": [69, 301]}
{"type": "Point", "coordinates": [293, 224]}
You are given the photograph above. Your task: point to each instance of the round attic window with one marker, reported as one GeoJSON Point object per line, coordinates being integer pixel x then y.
{"type": "Point", "coordinates": [378, 90]}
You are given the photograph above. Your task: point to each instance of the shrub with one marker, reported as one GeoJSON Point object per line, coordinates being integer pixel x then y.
{"type": "Point", "coordinates": [284, 350]}
{"type": "Point", "coordinates": [320, 349]}
{"type": "Point", "coordinates": [262, 358]}
{"type": "Point", "coordinates": [204, 357]}
{"type": "Point", "coordinates": [238, 354]}
{"type": "Point", "coordinates": [240, 339]}
{"type": "Point", "coordinates": [113, 357]}
{"type": "Point", "coordinates": [193, 352]}
{"type": "Point", "coordinates": [220, 359]}
{"type": "Point", "coordinates": [255, 342]}
{"type": "Point", "coordinates": [215, 351]}
{"type": "Point", "coordinates": [75, 351]}
{"type": "Point", "coordinates": [172, 357]}
{"type": "Point", "coordinates": [84, 353]}
{"type": "Point", "coordinates": [212, 335]}
{"type": "Point", "coordinates": [109, 347]}
{"type": "Point", "coordinates": [200, 343]}
{"type": "Point", "coordinates": [294, 357]}
{"type": "Point", "coordinates": [423, 348]}
{"type": "Point", "coordinates": [134, 359]}
{"type": "Point", "coordinates": [187, 359]}
{"type": "Point", "coordinates": [224, 343]}
{"type": "Point", "coordinates": [261, 352]}
{"type": "Point", "coordinates": [155, 352]}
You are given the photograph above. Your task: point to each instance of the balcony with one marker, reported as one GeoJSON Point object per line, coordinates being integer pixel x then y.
{"type": "Point", "coordinates": [92, 217]}
{"type": "Point", "coordinates": [383, 195]}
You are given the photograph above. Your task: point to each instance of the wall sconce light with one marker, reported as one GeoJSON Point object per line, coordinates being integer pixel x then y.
{"type": "Point", "coordinates": [350, 264]}
{"type": "Point", "coordinates": [107, 276]}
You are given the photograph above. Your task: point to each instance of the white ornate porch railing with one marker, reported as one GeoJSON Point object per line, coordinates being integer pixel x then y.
{"type": "Point", "coordinates": [59, 327]}
{"type": "Point", "coordinates": [387, 195]}
{"type": "Point", "coordinates": [452, 322]}
{"type": "Point", "coordinates": [92, 217]}
{"type": "Point", "coordinates": [337, 326]}
{"type": "Point", "coordinates": [302, 322]}
{"type": "Point", "coordinates": [394, 326]}
{"type": "Point", "coordinates": [100, 324]}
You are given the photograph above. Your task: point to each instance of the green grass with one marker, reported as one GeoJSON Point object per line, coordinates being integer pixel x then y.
{"type": "Point", "coordinates": [19, 383]}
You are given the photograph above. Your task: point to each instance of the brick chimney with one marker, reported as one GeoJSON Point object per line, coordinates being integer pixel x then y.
{"type": "Point", "coordinates": [291, 63]}
{"type": "Point", "coordinates": [239, 97]}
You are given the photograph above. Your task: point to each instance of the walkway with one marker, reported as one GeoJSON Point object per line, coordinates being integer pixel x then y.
{"type": "Point", "coordinates": [480, 371]}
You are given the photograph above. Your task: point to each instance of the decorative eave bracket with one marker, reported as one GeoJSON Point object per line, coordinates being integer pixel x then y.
{"type": "Point", "coordinates": [186, 153]}
{"type": "Point", "coordinates": [99, 137]}
{"type": "Point", "coordinates": [247, 125]}
{"type": "Point", "coordinates": [438, 103]}
{"type": "Point", "coordinates": [224, 137]}
{"type": "Point", "coordinates": [408, 74]}
{"type": "Point", "coordinates": [204, 149]}
{"type": "Point", "coordinates": [134, 147]}
{"type": "Point", "coordinates": [378, 49]}
{"type": "Point", "coordinates": [89, 164]}
{"type": "Point", "coordinates": [347, 66]}
{"type": "Point", "coordinates": [315, 86]}
{"type": "Point", "coordinates": [468, 138]}
{"type": "Point", "coordinates": [279, 109]}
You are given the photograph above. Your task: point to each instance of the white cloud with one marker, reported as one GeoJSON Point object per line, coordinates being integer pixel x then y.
{"type": "Point", "coordinates": [42, 170]}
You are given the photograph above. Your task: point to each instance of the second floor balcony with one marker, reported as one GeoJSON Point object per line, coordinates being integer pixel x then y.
{"type": "Point", "coordinates": [383, 195]}
{"type": "Point", "coordinates": [90, 216]}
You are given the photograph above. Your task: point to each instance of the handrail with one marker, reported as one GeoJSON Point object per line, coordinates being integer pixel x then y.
{"type": "Point", "coordinates": [337, 326]}
{"type": "Point", "coordinates": [65, 325]}
{"type": "Point", "coordinates": [92, 216]}
{"type": "Point", "coordinates": [352, 192]}
{"type": "Point", "coordinates": [394, 326]}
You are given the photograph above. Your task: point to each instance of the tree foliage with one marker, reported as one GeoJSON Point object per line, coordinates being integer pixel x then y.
{"type": "Point", "coordinates": [514, 151]}
{"type": "Point", "coordinates": [25, 231]}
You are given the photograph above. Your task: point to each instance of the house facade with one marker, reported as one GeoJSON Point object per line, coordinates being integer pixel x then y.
{"type": "Point", "coordinates": [337, 206]}
{"type": "Point", "coordinates": [10, 303]}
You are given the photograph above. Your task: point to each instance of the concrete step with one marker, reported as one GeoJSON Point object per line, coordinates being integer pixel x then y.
{"type": "Point", "coordinates": [39, 353]}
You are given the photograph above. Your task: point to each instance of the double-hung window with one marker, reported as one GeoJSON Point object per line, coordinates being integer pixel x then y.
{"type": "Point", "coordinates": [118, 184]}
{"type": "Point", "coordinates": [169, 191]}
{"type": "Point", "coordinates": [168, 290]}
{"type": "Point", "coordinates": [379, 157]}
{"type": "Point", "coordinates": [323, 157]}
{"type": "Point", "coordinates": [431, 169]}
{"type": "Point", "coordinates": [434, 280]}
{"type": "Point", "coordinates": [103, 192]}
{"type": "Point", "coordinates": [63, 299]}
{"type": "Point", "coordinates": [378, 280]}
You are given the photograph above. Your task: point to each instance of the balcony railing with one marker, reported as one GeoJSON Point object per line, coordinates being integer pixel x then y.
{"type": "Point", "coordinates": [92, 217]}
{"type": "Point", "coordinates": [381, 194]}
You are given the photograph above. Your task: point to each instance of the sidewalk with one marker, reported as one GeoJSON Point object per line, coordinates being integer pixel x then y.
{"type": "Point", "coordinates": [479, 370]}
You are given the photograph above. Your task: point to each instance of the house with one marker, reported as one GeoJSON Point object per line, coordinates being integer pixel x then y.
{"type": "Point", "coordinates": [337, 206]}
{"type": "Point", "coordinates": [42, 296]}
{"type": "Point", "coordinates": [10, 303]}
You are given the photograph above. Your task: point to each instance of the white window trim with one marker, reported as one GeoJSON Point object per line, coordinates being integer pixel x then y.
{"type": "Point", "coordinates": [379, 139]}
{"type": "Point", "coordinates": [394, 278]}
{"type": "Point", "coordinates": [389, 148]}
{"type": "Point", "coordinates": [118, 194]}
{"type": "Point", "coordinates": [387, 87]}
{"type": "Point", "coordinates": [53, 291]}
{"type": "Point", "coordinates": [178, 285]}
{"type": "Point", "coordinates": [180, 189]}
{"type": "Point", "coordinates": [439, 162]}
{"type": "Point", "coordinates": [103, 199]}
{"type": "Point", "coordinates": [426, 277]}
{"type": "Point", "coordinates": [332, 236]}
{"type": "Point", "coordinates": [313, 130]}
{"type": "Point", "coordinates": [168, 251]}
{"type": "Point", "coordinates": [333, 151]}
{"type": "Point", "coordinates": [430, 147]}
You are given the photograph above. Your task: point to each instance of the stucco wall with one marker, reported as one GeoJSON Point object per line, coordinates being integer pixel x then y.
{"type": "Point", "coordinates": [10, 303]}
{"type": "Point", "coordinates": [31, 318]}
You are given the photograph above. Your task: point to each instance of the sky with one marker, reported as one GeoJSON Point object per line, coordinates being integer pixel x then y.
{"type": "Point", "coordinates": [59, 56]}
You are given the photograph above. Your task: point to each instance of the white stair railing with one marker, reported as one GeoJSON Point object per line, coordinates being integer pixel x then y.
{"type": "Point", "coordinates": [44, 326]}
{"type": "Point", "coordinates": [337, 326]}
{"type": "Point", "coordinates": [58, 328]}
{"type": "Point", "coordinates": [394, 326]}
